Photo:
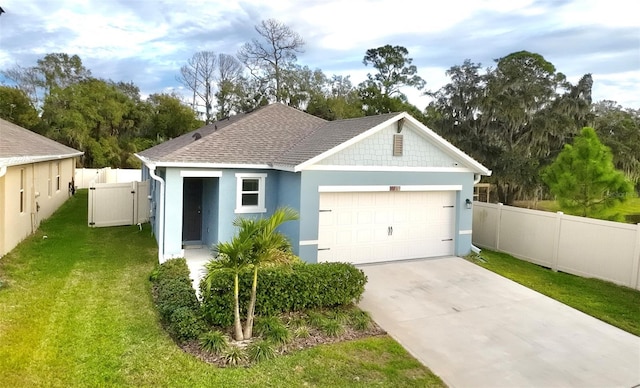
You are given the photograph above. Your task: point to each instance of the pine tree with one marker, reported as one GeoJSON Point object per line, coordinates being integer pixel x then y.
{"type": "Point", "coordinates": [584, 179]}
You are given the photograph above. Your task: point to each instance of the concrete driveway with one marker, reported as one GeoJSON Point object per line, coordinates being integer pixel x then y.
{"type": "Point", "coordinates": [474, 328]}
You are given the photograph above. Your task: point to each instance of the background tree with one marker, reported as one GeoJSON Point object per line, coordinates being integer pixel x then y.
{"type": "Point", "coordinates": [198, 76]}
{"type": "Point", "coordinates": [394, 69]}
{"type": "Point", "coordinates": [619, 129]}
{"type": "Point", "coordinates": [169, 117]}
{"type": "Point", "coordinates": [267, 57]}
{"type": "Point", "coordinates": [60, 70]}
{"type": "Point", "coordinates": [16, 107]}
{"type": "Point", "coordinates": [340, 100]}
{"type": "Point", "coordinates": [584, 179]}
{"type": "Point", "coordinates": [26, 79]}
{"type": "Point", "coordinates": [54, 70]}
{"type": "Point", "coordinates": [514, 118]}
{"type": "Point", "coordinates": [300, 84]}
{"type": "Point", "coordinates": [229, 75]}
{"type": "Point", "coordinates": [380, 93]}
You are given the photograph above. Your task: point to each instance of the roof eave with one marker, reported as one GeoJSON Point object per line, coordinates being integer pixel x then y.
{"type": "Point", "coordinates": [20, 160]}
{"type": "Point", "coordinates": [158, 163]}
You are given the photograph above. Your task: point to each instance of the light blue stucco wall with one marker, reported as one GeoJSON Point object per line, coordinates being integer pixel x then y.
{"type": "Point", "coordinates": [299, 191]}
{"type": "Point", "coordinates": [288, 194]}
{"type": "Point", "coordinates": [309, 199]}
{"type": "Point", "coordinates": [219, 204]}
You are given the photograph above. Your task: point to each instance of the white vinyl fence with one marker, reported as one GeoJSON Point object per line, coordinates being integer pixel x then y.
{"type": "Point", "coordinates": [86, 177]}
{"type": "Point", "coordinates": [113, 204]}
{"type": "Point", "coordinates": [577, 245]}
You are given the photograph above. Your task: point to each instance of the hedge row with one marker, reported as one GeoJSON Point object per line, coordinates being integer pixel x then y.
{"type": "Point", "coordinates": [176, 300]}
{"type": "Point", "coordinates": [284, 289]}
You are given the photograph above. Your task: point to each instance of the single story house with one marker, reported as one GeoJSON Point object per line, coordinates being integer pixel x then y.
{"type": "Point", "coordinates": [34, 180]}
{"type": "Point", "coordinates": [369, 189]}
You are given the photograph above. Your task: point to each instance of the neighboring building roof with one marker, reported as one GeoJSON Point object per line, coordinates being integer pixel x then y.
{"type": "Point", "coordinates": [21, 146]}
{"type": "Point", "coordinates": [277, 136]}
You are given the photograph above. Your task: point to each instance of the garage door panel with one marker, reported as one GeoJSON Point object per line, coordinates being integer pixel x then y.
{"type": "Point", "coordinates": [383, 226]}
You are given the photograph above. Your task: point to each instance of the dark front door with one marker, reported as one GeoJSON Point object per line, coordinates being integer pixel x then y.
{"type": "Point", "coordinates": [192, 209]}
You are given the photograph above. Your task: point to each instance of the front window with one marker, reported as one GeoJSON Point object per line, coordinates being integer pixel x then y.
{"type": "Point", "coordinates": [250, 193]}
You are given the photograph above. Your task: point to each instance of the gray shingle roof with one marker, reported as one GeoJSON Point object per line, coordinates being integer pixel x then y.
{"type": "Point", "coordinates": [254, 138]}
{"type": "Point", "coordinates": [19, 145]}
{"type": "Point", "coordinates": [274, 134]}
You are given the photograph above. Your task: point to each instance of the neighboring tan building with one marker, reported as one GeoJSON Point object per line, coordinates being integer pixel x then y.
{"type": "Point", "coordinates": [35, 173]}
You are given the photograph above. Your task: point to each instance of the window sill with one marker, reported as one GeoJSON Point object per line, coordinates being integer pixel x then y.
{"type": "Point", "coordinates": [253, 209]}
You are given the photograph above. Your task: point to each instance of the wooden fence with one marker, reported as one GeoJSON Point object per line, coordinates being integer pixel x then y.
{"type": "Point", "coordinates": [114, 204]}
{"type": "Point", "coordinates": [581, 246]}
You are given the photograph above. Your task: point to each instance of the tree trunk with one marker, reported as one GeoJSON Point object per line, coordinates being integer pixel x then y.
{"type": "Point", "coordinates": [248, 325]}
{"type": "Point", "coordinates": [236, 322]}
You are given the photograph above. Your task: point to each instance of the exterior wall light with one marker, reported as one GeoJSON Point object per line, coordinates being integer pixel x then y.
{"type": "Point", "coordinates": [468, 203]}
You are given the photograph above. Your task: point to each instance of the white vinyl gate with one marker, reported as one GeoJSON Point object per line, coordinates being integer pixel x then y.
{"type": "Point", "coordinates": [114, 204]}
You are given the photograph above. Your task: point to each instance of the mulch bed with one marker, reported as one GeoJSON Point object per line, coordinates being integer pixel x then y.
{"type": "Point", "coordinates": [315, 338]}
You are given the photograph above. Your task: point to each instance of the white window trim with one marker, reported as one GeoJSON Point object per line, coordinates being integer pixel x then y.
{"type": "Point", "coordinates": [58, 185]}
{"type": "Point", "coordinates": [50, 181]}
{"type": "Point", "coordinates": [23, 197]}
{"type": "Point", "coordinates": [261, 193]}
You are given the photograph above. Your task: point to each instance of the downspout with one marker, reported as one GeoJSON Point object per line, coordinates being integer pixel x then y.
{"type": "Point", "coordinates": [152, 173]}
{"type": "Point", "coordinates": [476, 179]}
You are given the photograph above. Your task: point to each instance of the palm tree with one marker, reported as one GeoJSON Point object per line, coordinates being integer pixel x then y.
{"type": "Point", "coordinates": [269, 246]}
{"type": "Point", "coordinates": [233, 255]}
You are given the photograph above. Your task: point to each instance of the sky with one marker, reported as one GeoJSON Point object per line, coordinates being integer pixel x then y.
{"type": "Point", "coordinates": [147, 41]}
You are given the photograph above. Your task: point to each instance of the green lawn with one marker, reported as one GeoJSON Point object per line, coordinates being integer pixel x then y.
{"type": "Point", "coordinates": [616, 305]}
{"type": "Point", "coordinates": [76, 310]}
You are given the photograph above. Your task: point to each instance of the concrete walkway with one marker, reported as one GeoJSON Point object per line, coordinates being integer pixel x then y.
{"type": "Point", "coordinates": [474, 328]}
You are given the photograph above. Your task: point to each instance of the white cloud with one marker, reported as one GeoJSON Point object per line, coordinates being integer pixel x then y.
{"type": "Point", "coordinates": [157, 35]}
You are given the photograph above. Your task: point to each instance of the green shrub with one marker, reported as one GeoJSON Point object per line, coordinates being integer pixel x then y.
{"type": "Point", "coordinates": [340, 316]}
{"type": "Point", "coordinates": [186, 324]}
{"type": "Point", "coordinates": [278, 335]}
{"type": "Point", "coordinates": [176, 300]}
{"type": "Point", "coordinates": [264, 325]}
{"type": "Point", "coordinates": [234, 355]}
{"type": "Point", "coordinates": [272, 329]}
{"type": "Point", "coordinates": [214, 342]}
{"type": "Point", "coordinates": [284, 289]}
{"type": "Point", "coordinates": [261, 350]}
{"type": "Point", "coordinates": [315, 319]}
{"type": "Point", "coordinates": [332, 328]}
{"type": "Point", "coordinates": [301, 331]}
{"type": "Point", "coordinates": [173, 294]}
{"type": "Point", "coordinates": [360, 320]}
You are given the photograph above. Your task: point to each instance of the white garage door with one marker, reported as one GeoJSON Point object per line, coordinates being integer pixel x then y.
{"type": "Point", "coordinates": [382, 226]}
